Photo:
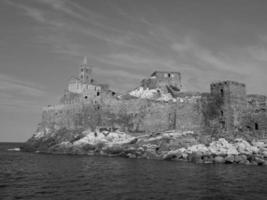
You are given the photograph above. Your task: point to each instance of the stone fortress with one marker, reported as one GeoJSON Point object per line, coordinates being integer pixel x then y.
{"type": "Point", "coordinates": [158, 104]}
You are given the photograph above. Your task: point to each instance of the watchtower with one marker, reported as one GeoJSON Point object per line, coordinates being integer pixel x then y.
{"type": "Point", "coordinates": [231, 103]}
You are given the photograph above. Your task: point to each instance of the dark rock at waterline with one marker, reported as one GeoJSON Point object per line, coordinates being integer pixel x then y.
{"type": "Point", "coordinates": [208, 159]}
{"type": "Point", "coordinates": [259, 160]}
{"type": "Point", "coordinates": [195, 157]}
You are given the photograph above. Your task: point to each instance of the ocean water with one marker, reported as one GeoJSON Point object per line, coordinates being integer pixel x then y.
{"type": "Point", "coordinates": [39, 176]}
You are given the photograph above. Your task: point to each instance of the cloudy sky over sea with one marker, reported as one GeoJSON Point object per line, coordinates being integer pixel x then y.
{"type": "Point", "coordinates": [42, 43]}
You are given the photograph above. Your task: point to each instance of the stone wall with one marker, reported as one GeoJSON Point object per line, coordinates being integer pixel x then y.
{"type": "Point", "coordinates": [130, 115]}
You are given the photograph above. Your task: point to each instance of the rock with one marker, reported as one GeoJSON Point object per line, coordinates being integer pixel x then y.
{"type": "Point", "coordinates": [259, 160]}
{"type": "Point", "coordinates": [230, 159]}
{"type": "Point", "coordinates": [184, 156]}
{"type": "Point", "coordinates": [244, 147]}
{"type": "Point", "coordinates": [207, 159]}
{"type": "Point", "coordinates": [130, 155]}
{"type": "Point", "coordinates": [222, 147]}
{"type": "Point", "coordinates": [219, 159]}
{"type": "Point", "coordinates": [241, 159]}
{"type": "Point", "coordinates": [171, 155]}
{"type": "Point", "coordinates": [200, 148]}
{"type": "Point", "coordinates": [264, 153]}
{"type": "Point", "coordinates": [195, 157]}
{"type": "Point", "coordinates": [259, 144]}
{"type": "Point", "coordinates": [251, 158]}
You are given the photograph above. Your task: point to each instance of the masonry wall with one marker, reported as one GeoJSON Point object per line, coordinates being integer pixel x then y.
{"type": "Point", "coordinates": [132, 115]}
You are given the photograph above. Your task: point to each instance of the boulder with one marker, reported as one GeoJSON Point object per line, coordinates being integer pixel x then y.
{"type": "Point", "coordinates": [230, 159]}
{"type": "Point", "coordinates": [130, 155]}
{"type": "Point", "coordinates": [264, 153]}
{"type": "Point", "coordinates": [259, 160]}
{"type": "Point", "coordinates": [200, 148]}
{"type": "Point", "coordinates": [171, 155]}
{"type": "Point", "coordinates": [242, 159]}
{"type": "Point", "coordinates": [207, 159]}
{"type": "Point", "coordinates": [195, 157]}
{"type": "Point", "coordinates": [259, 144]}
{"type": "Point", "coordinates": [219, 159]}
{"type": "Point", "coordinates": [244, 147]}
{"type": "Point", "coordinates": [222, 147]}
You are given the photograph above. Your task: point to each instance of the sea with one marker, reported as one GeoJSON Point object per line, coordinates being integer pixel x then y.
{"type": "Point", "coordinates": [65, 177]}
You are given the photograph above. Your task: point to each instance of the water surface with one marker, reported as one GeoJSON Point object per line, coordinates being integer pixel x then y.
{"type": "Point", "coordinates": [38, 176]}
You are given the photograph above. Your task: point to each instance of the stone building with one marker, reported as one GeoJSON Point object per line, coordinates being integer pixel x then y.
{"type": "Point", "coordinates": [225, 111]}
{"type": "Point", "coordinates": [84, 88]}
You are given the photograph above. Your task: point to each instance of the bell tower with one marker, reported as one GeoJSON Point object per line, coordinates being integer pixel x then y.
{"type": "Point", "coordinates": [85, 71]}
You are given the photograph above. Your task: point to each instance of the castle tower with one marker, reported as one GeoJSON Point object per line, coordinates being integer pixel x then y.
{"type": "Point", "coordinates": [85, 72]}
{"type": "Point", "coordinates": [230, 98]}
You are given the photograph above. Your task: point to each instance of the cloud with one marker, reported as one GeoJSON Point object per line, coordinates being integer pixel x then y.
{"type": "Point", "coordinates": [15, 94]}
{"type": "Point", "coordinates": [8, 83]}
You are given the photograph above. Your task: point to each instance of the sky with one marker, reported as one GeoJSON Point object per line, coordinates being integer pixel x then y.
{"type": "Point", "coordinates": [43, 42]}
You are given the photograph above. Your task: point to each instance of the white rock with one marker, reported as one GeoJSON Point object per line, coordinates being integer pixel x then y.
{"type": "Point", "coordinates": [244, 147]}
{"type": "Point", "coordinates": [110, 139]}
{"type": "Point", "coordinates": [222, 147]}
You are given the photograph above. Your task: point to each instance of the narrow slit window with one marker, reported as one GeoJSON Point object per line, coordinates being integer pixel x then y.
{"type": "Point", "coordinates": [256, 126]}
{"type": "Point", "coordinates": [222, 92]}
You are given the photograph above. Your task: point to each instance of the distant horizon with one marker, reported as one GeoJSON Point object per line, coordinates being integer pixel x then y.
{"type": "Point", "coordinates": [43, 43]}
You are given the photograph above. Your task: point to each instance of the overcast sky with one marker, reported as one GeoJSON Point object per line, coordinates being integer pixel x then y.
{"type": "Point", "coordinates": [42, 43]}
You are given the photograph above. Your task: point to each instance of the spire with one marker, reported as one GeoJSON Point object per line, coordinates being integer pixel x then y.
{"type": "Point", "coordinates": [85, 60]}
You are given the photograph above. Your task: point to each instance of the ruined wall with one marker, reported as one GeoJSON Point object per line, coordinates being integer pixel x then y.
{"type": "Point", "coordinates": [163, 80]}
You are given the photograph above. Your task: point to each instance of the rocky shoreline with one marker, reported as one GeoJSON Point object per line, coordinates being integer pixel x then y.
{"type": "Point", "coordinates": [170, 145]}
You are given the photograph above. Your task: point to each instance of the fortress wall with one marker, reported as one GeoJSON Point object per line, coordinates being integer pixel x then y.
{"type": "Point", "coordinates": [72, 116]}
{"type": "Point", "coordinates": [190, 114]}
{"type": "Point", "coordinates": [200, 113]}
{"type": "Point", "coordinates": [254, 121]}
{"type": "Point", "coordinates": [139, 115]}
{"type": "Point", "coordinates": [257, 102]}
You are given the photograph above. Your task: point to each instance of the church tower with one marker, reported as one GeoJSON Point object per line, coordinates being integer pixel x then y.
{"type": "Point", "coordinates": [85, 72]}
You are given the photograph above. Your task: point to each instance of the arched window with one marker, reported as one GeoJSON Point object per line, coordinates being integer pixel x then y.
{"type": "Point", "coordinates": [221, 113]}
{"type": "Point", "coordinates": [98, 93]}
